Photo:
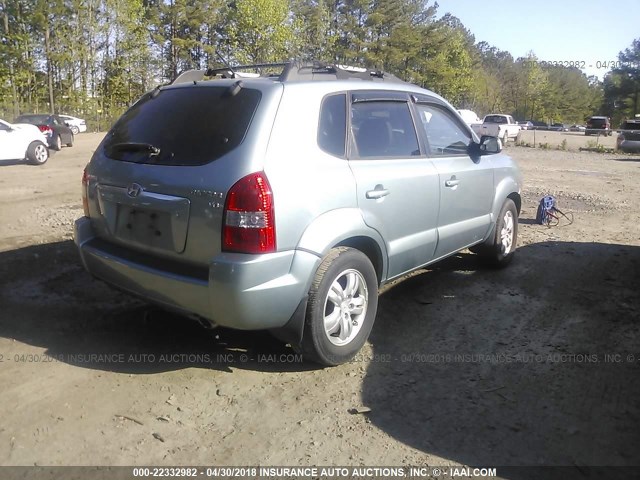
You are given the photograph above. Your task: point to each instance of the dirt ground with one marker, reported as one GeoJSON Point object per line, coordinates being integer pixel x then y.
{"type": "Point", "coordinates": [571, 140]}
{"type": "Point", "coordinates": [536, 364]}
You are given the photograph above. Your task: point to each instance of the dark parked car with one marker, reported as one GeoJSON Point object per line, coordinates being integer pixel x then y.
{"type": "Point", "coordinates": [52, 126]}
{"type": "Point", "coordinates": [629, 136]}
{"type": "Point", "coordinates": [538, 125]}
{"type": "Point", "coordinates": [598, 126]}
{"type": "Point", "coordinates": [558, 127]}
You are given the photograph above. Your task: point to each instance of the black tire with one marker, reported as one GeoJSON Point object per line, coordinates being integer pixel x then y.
{"type": "Point", "coordinates": [37, 153]}
{"type": "Point", "coordinates": [74, 129]}
{"type": "Point", "coordinates": [341, 265]}
{"type": "Point", "coordinates": [70, 144]}
{"type": "Point", "coordinates": [505, 138]}
{"type": "Point", "coordinates": [57, 144]}
{"type": "Point", "coordinates": [496, 252]}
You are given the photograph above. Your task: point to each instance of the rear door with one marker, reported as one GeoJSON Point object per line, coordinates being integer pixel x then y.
{"type": "Point", "coordinates": [397, 186]}
{"type": "Point", "coordinates": [466, 185]}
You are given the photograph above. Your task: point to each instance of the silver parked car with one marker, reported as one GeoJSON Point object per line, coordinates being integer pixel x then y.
{"type": "Point", "coordinates": [629, 136]}
{"type": "Point", "coordinates": [284, 202]}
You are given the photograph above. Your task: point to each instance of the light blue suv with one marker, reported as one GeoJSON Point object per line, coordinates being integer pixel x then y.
{"type": "Point", "coordinates": [284, 202]}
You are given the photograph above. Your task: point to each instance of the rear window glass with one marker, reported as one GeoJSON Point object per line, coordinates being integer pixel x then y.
{"type": "Point", "coordinates": [332, 127]}
{"type": "Point", "coordinates": [183, 126]}
{"type": "Point", "coordinates": [384, 129]}
{"type": "Point", "coordinates": [34, 119]}
{"type": "Point", "coordinates": [631, 126]}
{"type": "Point", "coordinates": [495, 119]}
{"type": "Point", "coordinates": [597, 122]}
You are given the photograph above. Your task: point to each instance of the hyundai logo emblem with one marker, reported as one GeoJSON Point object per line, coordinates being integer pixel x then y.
{"type": "Point", "coordinates": [134, 190]}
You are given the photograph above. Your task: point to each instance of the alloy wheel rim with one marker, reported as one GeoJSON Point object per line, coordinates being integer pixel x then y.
{"type": "Point", "coordinates": [345, 307]}
{"type": "Point", "coordinates": [41, 153]}
{"type": "Point", "coordinates": [506, 234]}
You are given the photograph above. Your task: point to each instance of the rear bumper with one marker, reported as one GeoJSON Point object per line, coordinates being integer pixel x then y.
{"type": "Point", "coordinates": [248, 292]}
{"type": "Point", "coordinates": [629, 146]}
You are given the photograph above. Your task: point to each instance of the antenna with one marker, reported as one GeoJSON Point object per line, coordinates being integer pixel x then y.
{"type": "Point", "coordinates": [225, 63]}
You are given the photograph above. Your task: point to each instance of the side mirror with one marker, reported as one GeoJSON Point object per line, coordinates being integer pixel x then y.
{"type": "Point", "coordinates": [490, 145]}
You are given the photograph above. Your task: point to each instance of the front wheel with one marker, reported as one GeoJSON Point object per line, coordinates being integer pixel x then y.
{"type": "Point", "coordinates": [499, 249]}
{"type": "Point", "coordinates": [37, 153]}
{"type": "Point", "coordinates": [342, 306]}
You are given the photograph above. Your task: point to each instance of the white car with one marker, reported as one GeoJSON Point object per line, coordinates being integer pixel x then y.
{"type": "Point", "coordinates": [469, 116]}
{"type": "Point", "coordinates": [498, 125]}
{"type": "Point", "coordinates": [77, 125]}
{"type": "Point", "coordinates": [20, 140]}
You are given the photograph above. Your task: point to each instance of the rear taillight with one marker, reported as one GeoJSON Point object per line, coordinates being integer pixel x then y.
{"type": "Point", "coordinates": [46, 130]}
{"type": "Point", "coordinates": [249, 223]}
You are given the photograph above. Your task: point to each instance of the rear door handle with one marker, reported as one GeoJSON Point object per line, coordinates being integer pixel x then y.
{"type": "Point", "coordinates": [451, 183]}
{"type": "Point", "coordinates": [377, 193]}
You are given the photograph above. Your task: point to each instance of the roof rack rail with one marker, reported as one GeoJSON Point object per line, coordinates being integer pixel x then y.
{"type": "Point", "coordinates": [290, 71]}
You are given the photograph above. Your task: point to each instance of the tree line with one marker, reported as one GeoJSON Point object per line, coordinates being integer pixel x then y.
{"type": "Point", "coordinates": [94, 58]}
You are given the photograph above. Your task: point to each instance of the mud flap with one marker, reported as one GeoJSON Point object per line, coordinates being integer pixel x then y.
{"type": "Point", "coordinates": [292, 332]}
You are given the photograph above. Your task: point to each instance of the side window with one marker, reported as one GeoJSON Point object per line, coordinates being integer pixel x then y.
{"type": "Point", "coordinates": [444, 134]}
{"type": "Point", "coordinates": [3, 127]}
{"type": "Point", "coordinates": [383, 129]}
{"type": "Point", "coordinates": [332, 128]}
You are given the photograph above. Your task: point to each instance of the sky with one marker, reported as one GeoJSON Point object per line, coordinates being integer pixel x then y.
{"type": "Point", "coordinates": [589, 31]}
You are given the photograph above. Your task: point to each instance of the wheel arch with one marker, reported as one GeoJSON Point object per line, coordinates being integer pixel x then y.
{"type": "Point", "coordinates": [507, 188]}
{"type": "Point", "coordinates": [370, 248]}
{"type": "Point", "coordinates": [517, 199]}
{"type": "Point", "coordinates": [322, 235]}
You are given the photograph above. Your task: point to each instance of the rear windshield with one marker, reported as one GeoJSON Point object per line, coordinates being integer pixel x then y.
{"type": "Point", "coordinates": [495, 119]}
{"type": "Point", "coordinates": [597, 122]}
{"type": "Point", "coordinates": [33, 119]}
{"type": "Point", "coordinates": [183, 126]}
{"type": "Point", "coordinates": [630, 126]}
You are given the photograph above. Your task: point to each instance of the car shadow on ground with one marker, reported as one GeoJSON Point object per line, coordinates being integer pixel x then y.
{"type": "Point", "coordinates": [627, 159]}
{"type": "Point", "coordinates": [8, 163]}
{"type": "Point", "coordinates": [48, 300]}
{"type": "Point", "coordinates": [530, 365]}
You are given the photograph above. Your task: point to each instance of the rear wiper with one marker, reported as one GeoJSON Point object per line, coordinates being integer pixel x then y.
{"type": "Point", "coordinates": [151, 150]}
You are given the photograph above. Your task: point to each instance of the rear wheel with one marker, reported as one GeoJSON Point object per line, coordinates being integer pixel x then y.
{"type": "Point", "coordinates": [343, 301]}
{"type": "Point", "coordinates": [37, 153]}
{"type": "Point", "coordinates": [74, 129]}
{"type": "Point", "coordinates": [57, 144]}
{"type": "Point", "coordinates": [499, 249]}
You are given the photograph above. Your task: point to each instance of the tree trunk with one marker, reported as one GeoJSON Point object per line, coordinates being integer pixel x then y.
{"type": "Point", "coordinates": [47, 47]}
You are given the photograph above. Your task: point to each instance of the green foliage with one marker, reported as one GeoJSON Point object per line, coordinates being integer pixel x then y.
{"type": "Point", "coordinates": [622, 86]}
{"type": "Point", "coordinates": [94, 58]}
{"type": "Point", "coordinates": [260, 31]}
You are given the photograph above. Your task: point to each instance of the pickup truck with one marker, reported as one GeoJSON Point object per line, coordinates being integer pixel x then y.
{"type": "Point", "coordinates": [497, 125]}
